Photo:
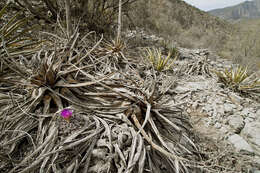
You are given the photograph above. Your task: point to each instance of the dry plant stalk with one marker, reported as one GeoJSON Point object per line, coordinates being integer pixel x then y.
{"type": "Point", "coordinates": [68, 18]}
{"type": "Point", "coordinates": [119, 21]}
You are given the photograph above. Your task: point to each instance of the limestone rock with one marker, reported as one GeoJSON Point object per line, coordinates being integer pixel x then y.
{"type": "Point", "coordinates": [249, 114]}
{"type": "Point", "coordinates": [258, 114]}
{"type": "Point", "coordinates": [229, 108]}
{"type": "Point", "coordinates": [235, 98]}
{"type": "Point", "coordinates": [257, 159]}
{"type": "Point", "coordinates": [191, 86]}
{"type": "Point", "coordinates": [218, 125]}
{"type": "Point", "coordinates": [240, 144]}
{"type": "Point", "coordinates": [236, 122]}
{"type": "Point", "coordinates": [251, 132]}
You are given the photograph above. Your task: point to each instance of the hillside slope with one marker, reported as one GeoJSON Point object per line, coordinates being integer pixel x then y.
{"type": "Point", "coordinates": [248, 9]}
{"type": "Point", "coordinates": [180, 22]}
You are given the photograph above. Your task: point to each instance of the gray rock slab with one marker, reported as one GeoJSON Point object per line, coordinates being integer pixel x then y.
{"type": "Point", "coordinates": [217, 125]}
{"type": "Point", "coordinates": [249, 114]}
{"type": "Point", "coordinates": [236, 122]}
{"type": "Point", "coordinates": [240, 144]}
{"type": "Point", "coordinates": [258, 114]}
{"type": "Point", "coordinates": [229, 108]}
{"type": "Point", "coordinates": [257, 159]}
{"type": "Point", "coordinates": [191, 86]}
{"type": "Point", "coordinates": [251, 132]}
{"type": "Point", "coordinates": [235, 98]}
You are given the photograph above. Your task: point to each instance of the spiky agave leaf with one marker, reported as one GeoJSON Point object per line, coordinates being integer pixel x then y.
{"type": "Point", "coordinates": [238, 79]}
{"type": "Point", "coordinates": [46, 74]}
{"type": "Point", "coordinates": [115, 47]}
{"type": "Point", "coordinates": [147, 116]}
{"type": "Point", "coordinates": [233, 77]}
{"type": "Point", "coordinates": [16, 40]}
{"type": "Point", "coordinates": [251, 85]}
{"type": "Point", "coordinates": [158, 61]}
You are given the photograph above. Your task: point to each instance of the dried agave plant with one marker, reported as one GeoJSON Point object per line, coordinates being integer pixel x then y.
{"type": "Point", "coordinates": [198, 66]}
{"type": "Point", "coordinates": [15, 39]}
{"type": "Point", "coordinates": [16, 45]}
{"type": "Point", "coordinates": [121, 122]}
{"type": "Point", "coordinates": [51, 87]}
{"type": "Point", "coordinates": [251, 84]}
{"type": "Point", "coordinates": [238, 79]}
{"type": "Point", "coordinates": [111, 49]}
{"type": "Point", "coordinates": [115, 47]}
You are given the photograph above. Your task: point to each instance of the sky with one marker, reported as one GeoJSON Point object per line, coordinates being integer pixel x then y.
{"type": "Point", "coordinates": [213, 4]}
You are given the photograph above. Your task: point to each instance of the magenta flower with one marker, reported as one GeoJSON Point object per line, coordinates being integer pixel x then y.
{"type": "Point", "coordinates": [66, 114]}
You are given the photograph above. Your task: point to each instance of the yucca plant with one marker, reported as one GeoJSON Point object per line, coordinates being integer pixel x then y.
{"type": "Point", "coordinates": [170, 48]}
{"type": "Point", "coordinates": [239, 79]}
{"type": "Point", "coordinates": [173, 51]}
{"type": "Point", "coordinates": [233, 77]}
{"type": "Point", "coordinates": [159, 61]}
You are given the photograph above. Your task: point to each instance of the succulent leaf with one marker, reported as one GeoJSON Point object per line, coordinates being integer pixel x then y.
{"type": "Point", "coordinates": [158, 61]}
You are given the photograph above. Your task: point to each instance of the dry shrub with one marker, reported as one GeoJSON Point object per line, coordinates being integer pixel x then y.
{"type": "Point", "coordinates": [95, 15]}
{"type": "Point", "coordinates": [178, 21]}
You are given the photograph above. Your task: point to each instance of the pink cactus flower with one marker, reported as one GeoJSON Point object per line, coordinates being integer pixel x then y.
{"type": "Point", "coordinates": [66, 114]}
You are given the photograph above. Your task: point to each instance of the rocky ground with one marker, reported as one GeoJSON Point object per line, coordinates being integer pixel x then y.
{"type": "Point", "coordinates": [227, 116]}
{"type": "Point", "coordinates": [218, 112]}
{"type": "Point", "coordinates": [227, 123]}
{"type": "Point", "coordinates": [229, 119]}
